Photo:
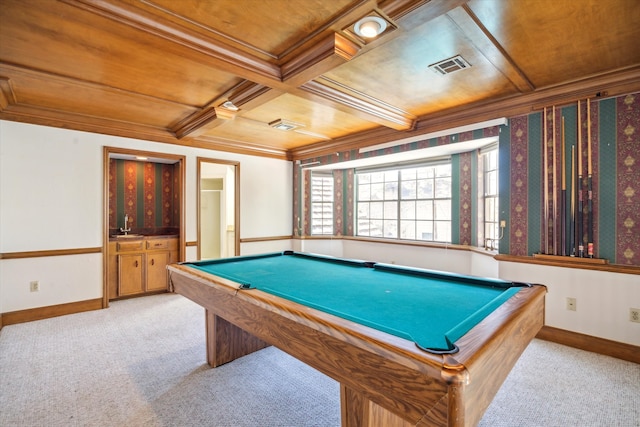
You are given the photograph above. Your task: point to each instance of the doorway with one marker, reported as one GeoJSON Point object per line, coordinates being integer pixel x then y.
{"type": "Point", "coordinates": [152, 201]}
{"type": "Point", "coordinates": [218, 208]}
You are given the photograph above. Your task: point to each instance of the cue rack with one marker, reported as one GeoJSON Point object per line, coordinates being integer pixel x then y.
{"type": "Point", "coordinates": [568, 227]}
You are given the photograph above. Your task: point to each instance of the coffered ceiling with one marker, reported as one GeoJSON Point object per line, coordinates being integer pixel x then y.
{"type": "Point", "coordinates": [168, 71]}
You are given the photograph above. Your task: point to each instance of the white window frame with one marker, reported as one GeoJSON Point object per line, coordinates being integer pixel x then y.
{"type": "Point", "coordinates": [322, 203]}
{"type": "Point", "coordinates": [489, 221]}
{"type": "Point", "coordinates": [385, 208]}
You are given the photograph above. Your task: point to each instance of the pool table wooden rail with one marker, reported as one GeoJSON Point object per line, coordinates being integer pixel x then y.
{"type": "Point", "coordinates": [384, 379]}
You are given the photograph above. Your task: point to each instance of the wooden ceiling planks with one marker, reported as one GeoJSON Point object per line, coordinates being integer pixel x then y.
{"type": "Point", "coordinates": [162, 70]}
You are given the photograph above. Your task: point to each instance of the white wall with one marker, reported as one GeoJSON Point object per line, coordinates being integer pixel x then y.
{"type": "Point", "coordinates": [51, 194]}
{"type": "Point", "coordinates": [51, 197]}
{"type": "Point", "coordinates": [447, 259]}
{"type": "Point", "coordinates": [268, 246]}
{"type": "Point", "coordinates": [603, 299]}
{"type": "Point", "coordinates": [321, 246]}
{"type": "Point", "coordinates": [62, 279]}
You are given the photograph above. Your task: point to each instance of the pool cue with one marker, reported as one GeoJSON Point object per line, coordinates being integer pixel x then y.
{"type": "Point", "coordinates": [553, 179]}
{"type": "Point", "coordinates": [546, 185]}
{"type": "Point", "coordinates": [589, 185]}
{"type": "Point", "coordinates": [580, 214]}
{"type": "Point", "coordinates": [572, 221]}
{"type": "Point", "coordinates": [563, 194]}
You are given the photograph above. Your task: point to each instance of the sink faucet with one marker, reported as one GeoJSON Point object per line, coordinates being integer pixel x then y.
{"type": "Point", "coordinates": [126, 228]}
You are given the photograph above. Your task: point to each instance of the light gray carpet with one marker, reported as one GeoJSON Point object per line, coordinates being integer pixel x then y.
{"type": "Point", "coordinates": [142, 363]}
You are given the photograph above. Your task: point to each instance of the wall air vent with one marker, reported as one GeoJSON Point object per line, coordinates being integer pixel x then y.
{"type": "Point", "coordinates": [450, 65]}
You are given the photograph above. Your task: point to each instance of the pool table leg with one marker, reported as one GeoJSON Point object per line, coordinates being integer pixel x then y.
{"type": "Point", "coordinates": [358, 411]}
{"type": "Point", "coordinates": [227, 342]}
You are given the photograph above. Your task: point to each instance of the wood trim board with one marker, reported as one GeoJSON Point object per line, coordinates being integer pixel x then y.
{"type": "Point", "coordinates": [40, 313]}
{"type": "Point", "coordinates": [52, 252]}
{"type": "Point", "coordinates": [590, 343]}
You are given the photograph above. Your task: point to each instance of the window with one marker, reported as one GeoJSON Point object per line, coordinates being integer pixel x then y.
{"type": "Point", "coordinates": [490, 221]}
{"type": "Point", "coordinates": [321, 203]}
{"type": "Point", "coordinates": [412, 203]}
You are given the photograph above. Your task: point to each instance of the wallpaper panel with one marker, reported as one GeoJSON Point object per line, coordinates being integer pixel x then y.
{"type": "Point", "coordinates": [628, 180]}
{"type": "Point", "coordinates": [145, 192]}
{"type": "Point", "coordinates": [338, 213]}
{"type": "Point", "coordinates": [605, 190]}
{"type": "Point", "coordinates": [466, 198]}
{"type": "Point", "coordinates": [519, 178]}
{"type": "Point", "coordinates": [536, 184]}
{"type": "Point", "coordinates": [297, 200]}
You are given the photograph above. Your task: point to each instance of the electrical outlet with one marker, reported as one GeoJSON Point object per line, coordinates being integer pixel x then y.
{"type": "Point", "coordinates": [34, 286]}
{"type": "Point", "coordinates": [634, 315]}
{"type": "Point", "coordinates": [571, 304]}
{"type": "Point", "coordinates": [503, 223]}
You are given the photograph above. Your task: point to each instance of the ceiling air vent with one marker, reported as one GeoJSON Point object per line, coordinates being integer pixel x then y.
{"type": "Point", "coordinates": [285, 125]}
{"type": "Point", "coordinates": [450, 65]}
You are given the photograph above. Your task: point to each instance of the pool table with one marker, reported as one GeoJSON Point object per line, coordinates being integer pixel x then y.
{"type": "Point", "coordinates": [409, 346]}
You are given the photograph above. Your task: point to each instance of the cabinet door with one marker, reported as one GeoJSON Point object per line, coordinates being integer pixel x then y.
{"type": "Point", "coordinates": [157, 270]}
{"type": "Point", "coordinates": [130, 274]}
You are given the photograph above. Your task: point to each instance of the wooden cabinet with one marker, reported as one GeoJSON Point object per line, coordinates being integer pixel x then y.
{"type": "Point", "coordinates": [138, 266]}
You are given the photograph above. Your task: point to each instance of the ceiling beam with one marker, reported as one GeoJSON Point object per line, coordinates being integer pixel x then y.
{"type": "Point", "coordinates": [372, 108]}
{"type": "Point", "coordinates": [7, 95]}
{"type": "Point", "coordinates": [478, 35]}
{"type": "Point", "coordinates": [196, 123]}
{"type": "Point", "coordinates": [244, 96]}
{"type": "Point", "coordinates": [228, 58]}
{"type": "Point", "coordinates": [329, 53]}
{"type": "Point", "coordinates": [396, 9]}
{"type": "Point", "coordinates": [413, 13]}
{"type": "Point", "coordinates": [248, 95]}
{"type": "Point", "coordinates": [240, 147]}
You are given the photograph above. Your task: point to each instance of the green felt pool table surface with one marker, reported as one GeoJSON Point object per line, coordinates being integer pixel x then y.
{"type": "Point", "coordinates": [433, 309]}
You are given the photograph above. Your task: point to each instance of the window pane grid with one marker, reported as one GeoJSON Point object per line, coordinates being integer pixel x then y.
{"type": "Point", "coordinates": [412, 203]}
{"type": "Point", "coordinates": [491, 218]}
{"type": "Point", "coordinates": [321, 204]}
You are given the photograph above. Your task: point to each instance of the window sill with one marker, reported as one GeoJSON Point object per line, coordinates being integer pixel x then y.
{"type": "Point", "coordinates": [554, 261]}
{"type": "Point", "coordinates": [571, 262]}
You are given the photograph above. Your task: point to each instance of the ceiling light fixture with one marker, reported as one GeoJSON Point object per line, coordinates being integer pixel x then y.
{"type": "Point", "coordinates": [370, 27]}
{"type": "Point", "coordinates": [229, 106]}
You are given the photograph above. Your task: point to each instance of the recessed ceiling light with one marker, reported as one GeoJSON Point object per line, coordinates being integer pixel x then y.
{"type": "Point", "coordinates": [370, 26]}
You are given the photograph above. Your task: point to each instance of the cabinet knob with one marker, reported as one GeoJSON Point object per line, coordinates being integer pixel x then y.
{"type": "Point", "coordinates": [153, 261]}
{"type": "Point", "coordinates": [136, 263]}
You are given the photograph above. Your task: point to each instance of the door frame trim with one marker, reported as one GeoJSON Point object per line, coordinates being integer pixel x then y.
{"type": "Point", "coordinates": [236, 195]}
